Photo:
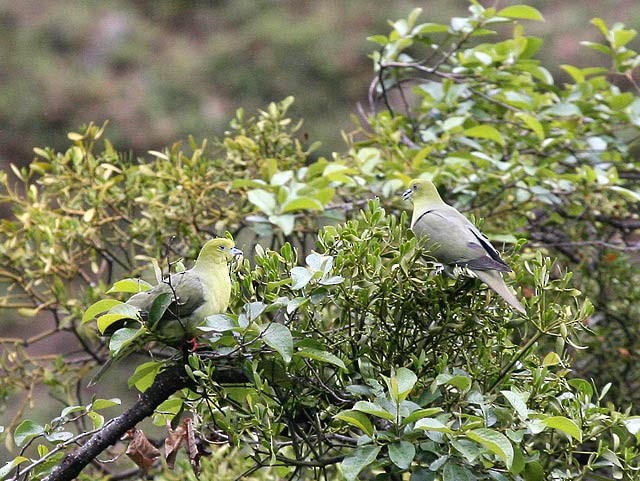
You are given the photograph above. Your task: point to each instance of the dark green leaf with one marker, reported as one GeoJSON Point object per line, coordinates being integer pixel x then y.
{"type": "Point", "coordinates": [26, 431]}
{"type": "Point", "coordinates": [278, 337]}
{"type": "Point", "coordinates": [402, 453]}
{"type": "Point", "coordinates": [357, 460]}
{"type": "Point", "coordinates": [357, 419]}
{"type": "Point", "coordinates": [495, 442]}
{"type": "Point", "coordinates": [158, 308]}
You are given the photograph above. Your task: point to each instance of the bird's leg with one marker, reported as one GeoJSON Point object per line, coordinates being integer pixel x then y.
{"type": "Point", "coordinates": [194, 345]}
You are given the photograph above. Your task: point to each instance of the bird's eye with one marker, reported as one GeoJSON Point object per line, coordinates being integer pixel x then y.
{"type": "Point", "coordinates": [415, 187]}
{"type": "Point", "coordinates": [222, 248]}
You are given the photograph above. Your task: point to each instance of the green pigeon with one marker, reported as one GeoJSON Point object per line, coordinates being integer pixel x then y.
{"type": "Point", "coordinates": [454, 241]}
{"type": "Point", "coordinates": [187, 297]}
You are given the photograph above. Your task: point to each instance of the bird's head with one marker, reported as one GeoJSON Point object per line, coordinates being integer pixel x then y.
{"type": "Point", "coordinates": [219, 250]}
{"type": "Point", "coordinates": [421, 191]}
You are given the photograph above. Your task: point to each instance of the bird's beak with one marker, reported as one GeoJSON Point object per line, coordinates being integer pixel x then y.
{"type": "Point", "coordinates": [235, 252]}
{"type": "Point", "coordinates": [406, 195]}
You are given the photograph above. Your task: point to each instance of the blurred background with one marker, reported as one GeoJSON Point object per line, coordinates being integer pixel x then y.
{"type": "Point", "coordinates": [161, 70]}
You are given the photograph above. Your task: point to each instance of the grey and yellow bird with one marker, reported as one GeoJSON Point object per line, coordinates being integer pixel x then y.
{"type": "Point", "coordinates": [189, 298]}
{"type": "Point", "coordinates": [454, 241]}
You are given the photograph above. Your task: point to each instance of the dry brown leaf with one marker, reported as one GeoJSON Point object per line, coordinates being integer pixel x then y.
{"type": "Point", "coordinates": [140, 449]}
{"type": "Point", "coordinates": [193, 449]}
{"type": "Point", "coordinates": [172, 443]}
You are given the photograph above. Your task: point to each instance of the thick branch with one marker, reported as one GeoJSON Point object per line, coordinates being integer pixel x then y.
{"type": "Point", "coordinates": [165, 384]}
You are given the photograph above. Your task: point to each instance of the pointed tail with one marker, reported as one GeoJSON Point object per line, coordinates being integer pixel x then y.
{"type": "Point", "coordinates": [495, 281]}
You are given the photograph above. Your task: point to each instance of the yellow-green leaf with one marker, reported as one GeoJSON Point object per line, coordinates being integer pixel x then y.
{"type": "Point", "coordinates": [521, 11]}
{"type": "Point", "coordinates": [322, 356]}
{"type": "Point", "coordinates": [301, 203]}
{"type": "Point", "coordinates": [495, 442]}
{"type": "Point", "coordinates": [130, 285]}
{"type": "Point", "coordinates": [357, 419]}
{"type": "Point", "coordinates": [432, 424]}
{"type": "Point", "coordinates": [533, 124]}
{"type": "Point", "coordinates": [551, 359]}
{"type": "Point", "coordinates": [108, 319]}
{"type": "Point", "coordinates": [98, 308]}
{"type": "Point", "coordinates": [485, 132]}
{"type": "Point", "coordinates": [565, 425]}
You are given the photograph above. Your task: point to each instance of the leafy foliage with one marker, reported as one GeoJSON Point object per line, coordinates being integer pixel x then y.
{"type": "Point", "coordinates": [345, 350]}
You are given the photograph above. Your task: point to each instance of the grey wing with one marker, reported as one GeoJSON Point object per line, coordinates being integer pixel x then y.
{"type": "Point", "coordinates": [143, 300]}
{"type": "Point", "coordinates": [189, 293]}
{"type": "Point", "coordinates": [491, 259]}
{"type": "Point", "coordinates": [457, 241]}
{"type": "Point", "coordinates": [185, 286]}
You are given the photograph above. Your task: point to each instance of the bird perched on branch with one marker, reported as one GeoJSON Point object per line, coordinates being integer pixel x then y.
{"type": "Point", "coordinates": [171, 311]}
{"type": "Point", "coordinates": [454, 241]}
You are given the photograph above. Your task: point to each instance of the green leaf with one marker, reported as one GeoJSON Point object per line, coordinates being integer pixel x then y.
{"type": "Point", "coordinates": [302, 203]}
{"type": "Point", "coordinates": [218, 323]}
{"type": "Point", "coordinates": [551, 359]}
{"type": "Point", "coordinates": [459, 381]}
{"type": "Point", "coordinates": [322, 356]}
{"type": "Point", "coordinates": [281, 178]}
{"type": "Point", "coordinates": [379, 39]}
{"type": "Point", "coordinates": [263, 200]}
{"type": "Point", "coordinates": [300, 277]}
{"type": "Point", "coordinates": [406, 381]}
{"type": "Point", "coordinates": [423, 474]}
{"type": "Point", "coordinates": [598, 47]}
{"type": "Point", "coordinates": [374, 410]}
{"type": "Point", "coordinates": [518, 461]}
{"type": "Point", "coordinates": [357, 419]}
{"type": "Point", "coordinates": [100, 404]}
{"type": "Point", "coordinates": [59, 436]}
{"type": "Point", "coordinates": [123, 337]}
{"type": "Point", "coordinates": [419, 414]}
{"type": "Point", "coordinates": [495, 442]}
{"type": "Point", "coordinates": [278, 337]}
{"type": "Point", "coordinates": [533, 472]}
{"type": "Point", "coordinates": [519, 403]}
{"type": "Point", "coordinates": [357, 460]}
{"type": "Point", "coordinates": [632, 423]}
{"type": "Point", "coordinates": [455, 472]}
{"type": "Point", "coordinates": [129, 285]}
{"type": "Point", "coordinates": [565, 425]}
{"type": "Point", "coordinates": [285, 222]}
{"type": "Point", "coordinates": [71, 409]}
{"type": "Point", "coordinates": [26, 431]}
{"type": "Point", "coordinates": [432, 424]}
{"type": "Point", "coordinates": [325, 195]}
{"type": "Point", "coordinates": [601, 25]}
{"type": "Point", "coordinates": [631, 195]}
{"type": "Point", "coordinates": [115, 314]}
{"type": "Point", "coordinates": [96, 419]}
{"type": "Point", "coordinates": [168, 410]}
{"type": "Point", "coordinates": [485, 132]}
{"type": "Point", "coordinates": [621, 37]}
{"type": "Point", "coordinates": [11, 465]}
{"type": "Point", "coordinates": [521, 11]}
{"type": "Point", "coordinates": [99, 307]}
{"type": "Point", "coordinates": [401, 454]}
{"type": "Point", "coordinates": [158, 308]}
{"type": "Point", "coordinates": [575, 73]}
{"type": "Point", "coordinates": [534, 125]}
{"type": "Point", "coordinates": [253, 310]}
{"type": "Point", "coordinates": [564, 110]}
{"type": "Point", "coordinates": [144, 375]}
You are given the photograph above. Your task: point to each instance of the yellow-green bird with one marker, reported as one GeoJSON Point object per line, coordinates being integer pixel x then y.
{"type": "Point", "coordinates": [188, 297]}
{"type": "Point", "coordinates": [454, 241]}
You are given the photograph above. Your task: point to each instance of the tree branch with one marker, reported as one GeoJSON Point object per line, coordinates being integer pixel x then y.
{"type": "Point", "coordinates": [165, 384]}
